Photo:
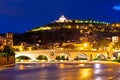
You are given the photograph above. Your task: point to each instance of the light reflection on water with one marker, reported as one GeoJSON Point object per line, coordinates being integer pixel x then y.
{"type": "Point", "coordinates": [97, 65]}
{"type": "Point", "coordinates": [61, 66]}
{"type": "Point", "coordinates": [44, 71]}
{"type": "Point", "coordinates": [85, 73]}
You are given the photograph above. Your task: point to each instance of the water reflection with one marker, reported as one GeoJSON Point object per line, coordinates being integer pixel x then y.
{"type": "Point", "coordinates": [97, 71]}
{"type": "Point", "coordinates": [61, 66]}
{"type": "Point", "coordinates": [83, 65]}
{"type": "Point", "coordinates": [97, 65]}
{"type": "Point", "coordinates": [61, 71]}
{"type": "Point", "coordinates": [105, 78]}
{"type": "Point", "coordinates": [21, 67]}
{"type": "Point", "coordinates": [85, 73]}
{"type": "Point", "coordinates": [110, 78]}
{"type": "Point", "coordinates": [98, 78]}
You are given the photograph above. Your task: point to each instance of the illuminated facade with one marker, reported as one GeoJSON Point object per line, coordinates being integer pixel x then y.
{"type": "Point", "coordinates": [61, 19]}
{"type": "Point", "coordinates": [115, 24]}
{"type": "Point", "coordinates": [9, 39]}
{"type": "Point", "coordinates": [115, 39]}
{"type": "Point", "coordinates": [6, 40]}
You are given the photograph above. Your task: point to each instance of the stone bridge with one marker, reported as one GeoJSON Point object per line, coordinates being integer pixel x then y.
{"type": "Point", "coordinates": [72, 54]}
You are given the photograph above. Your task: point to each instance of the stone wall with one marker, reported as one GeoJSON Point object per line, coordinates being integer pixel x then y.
{"type": "Point", "coordinates": [7, 61]}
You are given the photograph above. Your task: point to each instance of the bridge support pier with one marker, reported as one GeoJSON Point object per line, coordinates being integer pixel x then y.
{"type": "Point", "coordinates": [90, 58]}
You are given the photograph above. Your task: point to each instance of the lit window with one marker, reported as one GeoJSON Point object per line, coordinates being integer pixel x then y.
{"type": "Point", "coordinates": [77, 26]}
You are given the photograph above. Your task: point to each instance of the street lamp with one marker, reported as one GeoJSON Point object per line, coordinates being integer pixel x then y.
{"type": "Point", "coordinates": [85, 44]}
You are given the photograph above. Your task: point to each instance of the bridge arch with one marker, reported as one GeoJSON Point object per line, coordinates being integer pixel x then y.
{"type": "Point", "coordinates": [81, 56]}
{"type": "Point", "coordinates": [100, 57]}
{"type": "Point", "coordinates": [23, 57]}
{"type": "Point", "coordinates": [116, 54]}
{"type": "Point", "coordinates": [62, 56]}
{"type": "Point", "coordinates": [42, 57]}
{"type": "Point", "coordinates": [32, 57]}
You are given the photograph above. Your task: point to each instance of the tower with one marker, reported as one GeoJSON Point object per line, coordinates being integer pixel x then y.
{"type": "Point", "coordinates": [62, 19]}
{"type": "Point", "coordinates": [9, 39]}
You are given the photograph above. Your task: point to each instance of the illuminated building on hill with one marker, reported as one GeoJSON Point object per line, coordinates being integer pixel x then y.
{"type": "Point", "coordinates": [62, 19]}
{"type": "Point", "coordinates": [82, 25]}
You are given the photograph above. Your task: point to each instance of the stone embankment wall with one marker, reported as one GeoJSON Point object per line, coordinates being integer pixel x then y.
{"type": "Point", "coordinates": [7, 61]}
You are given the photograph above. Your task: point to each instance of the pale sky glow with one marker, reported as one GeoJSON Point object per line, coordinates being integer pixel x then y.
{"type": "Point", "coordinates": [116, 8]}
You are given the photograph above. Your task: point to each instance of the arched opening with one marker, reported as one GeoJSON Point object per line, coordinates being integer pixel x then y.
{"type": "Point", "coordinates": [100, 57]}
{"type": "Point", "coordinates": [22, 58]}
{"type": "Point", "coordinates": [81, 57]}
{"type": "Point", "coordinates": [116, 54]}
{"type": "Point", "coordinates": [42, 57]}
{"type": "Point", "coordinates": [62, 57]}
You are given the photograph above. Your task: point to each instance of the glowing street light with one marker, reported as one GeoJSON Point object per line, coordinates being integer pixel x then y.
{"type": "Point", "coordinates": [85, 44]}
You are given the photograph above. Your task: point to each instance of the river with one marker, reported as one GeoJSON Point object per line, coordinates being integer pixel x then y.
{"type": "Point", "coordinates": [61, 71]}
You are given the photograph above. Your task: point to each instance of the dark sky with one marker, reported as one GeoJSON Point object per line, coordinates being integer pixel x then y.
{"type": "Point", "coordinates": [22, 15]}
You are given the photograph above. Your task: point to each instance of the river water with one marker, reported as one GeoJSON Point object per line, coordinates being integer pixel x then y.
{"type": "Point", "coordinates": [61, 71]}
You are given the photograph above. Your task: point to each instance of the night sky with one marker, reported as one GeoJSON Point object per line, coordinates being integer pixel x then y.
{"type": "Point", "coordinates": [22, 15]}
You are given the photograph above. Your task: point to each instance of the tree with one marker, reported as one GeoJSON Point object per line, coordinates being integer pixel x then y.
{"type": "Point", "coordinates": [60, 45]}
{"type": "Point", "coordinates": [95, 45]}
{"type": "Point", "coordinates": [69, 46]}
{"type": "Point", "coordinates": [42, 57]}
{"type": "Point", "coordinates": [8, 51]}
{"type": "Point", "coordinates": [104, 44]}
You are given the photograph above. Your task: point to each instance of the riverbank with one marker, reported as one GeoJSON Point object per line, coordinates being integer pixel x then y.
{"type": "Point", "coordinates": [8, 65]}
{"type": "Point", "coordinates": [74, 62]}
{"type": "Point", "coordinates": [4, 61]}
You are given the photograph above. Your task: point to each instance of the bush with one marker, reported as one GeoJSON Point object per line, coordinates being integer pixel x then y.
{"type": "Point", "coordinates": [61, 57]}
{"type": "Point", "coordinates": [117, 60]}
{"type": "Point", "coordinates": [17, 60]}
{"type": "Point", "coordinates": [99, 59]}
{"type": "Point", "coordinates": [80, 59]}
{"type": "Point", "coordinates": [42, 57]}
{"type": "Point", "coordinates": [23, 58]}
{"type": "Point", "coordinates": [2, 54]}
